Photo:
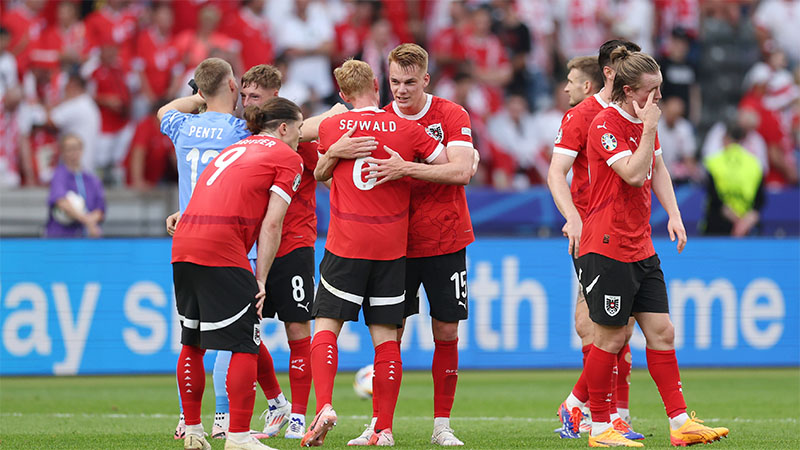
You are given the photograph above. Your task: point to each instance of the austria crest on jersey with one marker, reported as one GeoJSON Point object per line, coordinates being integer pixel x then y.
{"type": "Point", "coordinates": [609, 142]}
{"type": "Point", "coordinates": [435, 131]}
{"type": "Point", "coordinates": [612, 305]}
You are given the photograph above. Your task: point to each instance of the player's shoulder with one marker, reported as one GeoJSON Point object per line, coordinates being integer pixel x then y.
{"type": "Point", "coordinates": [446, 106]}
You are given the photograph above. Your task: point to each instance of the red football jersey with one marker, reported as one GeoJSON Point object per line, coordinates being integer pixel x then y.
{"type": "Point", "coordinates": [300, 223]}
{"type": "Point", "coordinates": [618, 217]}
{"type": "Point", "coordinates": [224, 216]}
{"type": "Point", "coordinates": [368, 221]}
{"type": "Point", "coordinates": [571, 141]}
{"type": "Point", "coordinates": [439, 220]}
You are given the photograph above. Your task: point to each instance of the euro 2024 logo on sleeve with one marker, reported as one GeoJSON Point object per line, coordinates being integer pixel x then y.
{"type": "Point", "coordinates": [296, 183]}
{"type": "Point", "coordinates": [609, 142]}
{"type": "Point", "coordinates": [558, 136]}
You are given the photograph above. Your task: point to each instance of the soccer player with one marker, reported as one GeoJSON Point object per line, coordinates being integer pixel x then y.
{"type": "Point", "coordinates": [364, 262]}
{"type": "Point", "coordinates": [439, 229]}
{"type": "Point", "coordinates": [242, 197]}
{"type": "Point", "coordinates": [584, 78]}
{"type": "Point", "coordinates": [619, 269]}
{"type": "Point", "coordinates": [198, 139]}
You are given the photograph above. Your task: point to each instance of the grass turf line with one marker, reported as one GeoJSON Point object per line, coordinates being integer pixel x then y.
{"type": "Point", "coordinates": [493, 410]}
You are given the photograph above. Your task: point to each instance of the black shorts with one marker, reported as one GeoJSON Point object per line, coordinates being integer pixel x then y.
{"type": "Point", "coordinates": [614, 290]}
{"type": "Point", "coordinates": [578, 274]}
{"type": "Point", "coordinates": [290, 286]}
{"type": "Point", "coordinates": [216, 307]}
{"type": "Point", "coordinates": [445, 280]}
{"type": "Point", "coordinates": [345, 284]}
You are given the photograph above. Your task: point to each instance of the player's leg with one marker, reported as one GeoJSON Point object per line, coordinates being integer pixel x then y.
{"type": "Point", "coordinates": [341, 291]}
{"type": "Point", "coordinates": [291, 282]}
{"type": "Point", "coordinates": [652, 314]}
{"type": "Point", "coordinates": [221, 415]}
{"type": "Point", "coordinates": [189, 371]}
{"type": "Point", "coordinates": [571, 411]}
{"type": "Point", "coordinates": [610, 302]}
{"type": "Point", "coordinates": [445, 280]}
{"type": "Point", "coordinates": [180, 429]}
{"type": "Point", "coordinates": [383, 312]}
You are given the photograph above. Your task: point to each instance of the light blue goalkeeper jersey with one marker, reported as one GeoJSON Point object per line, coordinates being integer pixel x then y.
{"type": "Point", "coordinates": [198, 139]}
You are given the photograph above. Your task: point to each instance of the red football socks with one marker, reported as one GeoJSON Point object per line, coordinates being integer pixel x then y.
{"type": "Point", "coordinates": [599, 371]}
{"type": "Point", "coordinates": [623, 376]}
{"type": "Point", "coordinates": [191, 382]}
{"type": "Point", "coordinates": [324, 363]}
{"type": "Point", "coordinates": [585, 350]}
{"type": "Point", "coordinates": [241, 387]}
{"type": "Point", "coordinates": [388, 373]}
{"type": "Point", "coordinates": [663, 367]}
{"type": "Point", "coordinates": [581, 390]}
{"type": "Point", "coordinates": [300, 373]}
{"type": "Point", "coordinates": [266, 373]}
{"type": "Point", "coordinates": [445, 376]}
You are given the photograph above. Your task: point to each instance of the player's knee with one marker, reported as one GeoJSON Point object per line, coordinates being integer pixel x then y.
{"type": "Point", "coordinates": [297, 330]}
{"type": "Point", "coordinates": [444, 331]}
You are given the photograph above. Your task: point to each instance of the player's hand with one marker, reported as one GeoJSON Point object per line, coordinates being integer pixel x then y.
{"type": "Point", "coordinates": [475, 161]}
{"type": "Point", "coordinates": [262, 294]}
{"type": "Point", "coordinates": [93, 230]}
{"type": "Point", "coordinates": [572, 230]}
{"type": "Point", "coordinates": [337, 109]}
{"type": "Point", "coordinates": [349, 147]}
{"type": "Point", "coordinates": [384, 170]}
{"type": "Point", "coordinates": [172, 222]}
{"type": "Point", "coordinates": [676, 229]}
{"type": "Point", "coordinates": [650, 112]}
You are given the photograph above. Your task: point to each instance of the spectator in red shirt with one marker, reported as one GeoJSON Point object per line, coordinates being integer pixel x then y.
{"type": "Point", "coordinates": [251, 29]}
{"type": "Point", "coordinates": [491, 66]}
{"type": "Point", "coordinates": [113, 98]}
{"type": "Point", "coordinates": [113, 24]}
{"type": "Point", "coordinates": [151, 158]}
{"type": "Point", "coordinates": [64, 42]}
{"type": "Point", "coordinates": [157, 56]}
{"type": "Point", "coordinates": [448, 46]}
{"type": "Point", "coordinates": [25, 25]}
{"type": "Point", "coordinates": [350, 34]}
{"type": "Point", "coordinates": [196, 45]}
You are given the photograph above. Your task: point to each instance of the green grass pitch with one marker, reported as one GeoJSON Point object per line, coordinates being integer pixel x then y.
{"type": "Point", "coordinates": [493, 410]}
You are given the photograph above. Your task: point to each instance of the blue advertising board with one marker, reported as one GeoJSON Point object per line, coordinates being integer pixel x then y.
{"type": "Point", "coordinates": [103, 307]}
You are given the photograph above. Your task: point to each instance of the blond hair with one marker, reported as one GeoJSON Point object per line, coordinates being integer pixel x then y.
{"type": "Point", "coordinates": [264, 76]}
{"type": "Point", "coordinates": [587, 65]}
{"type": "Point", "coordinates": [211, 74]}
{"type": "Point", "coordinates": [629, 68]}
{"type": "Point", "coordinates": [354, 77]}
{"type": "Point", "coordinates": [409, 56]}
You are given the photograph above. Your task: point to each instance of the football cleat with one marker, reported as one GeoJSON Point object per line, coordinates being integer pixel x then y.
{"type": "Point", "coordinates": [220, 428]}
{"type": "Point", "coordinates": [626, 430]}
{"type": "Point", "coordinates": [444, 436]}
{"type": "Point", "coordinates": [180, 430]}
{"type": "Point", "coordinates": [364, 437]}
{"type": "Point", "coordinates": [251, 444]}
{"type": "Point", "coordinates": [277, 417]}
{"type": "Point", "coordinates": [319, 427]}
{"type": "Point", "coordinates": [195, 442]}
{"type": "Point", "coordinates": [382, 438]}
{"type": "Point", "coordinates": [570, 421]}
{"type": "Point", "coordinates": [694, 432]}
{"type": "Point", "coordinates": [296, 428]}
{"type": "Point", "coordinates": [612, 438]}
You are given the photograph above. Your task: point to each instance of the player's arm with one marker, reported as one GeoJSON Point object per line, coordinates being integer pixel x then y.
{"type": "Point", "coordinates": [633, 169]}
{"type": "Point", "coordinates": [560, 165]}
{"type": "Point", "coordinates": [269, 238]}
{"type": "Point", "coordinates": [662, 186]}
{"type": "Point", "coordinates": [347, 147]}
{"type": "Point", "coordinates": [172, 222]}
{"type": "Point", "coordinates": [183, 104]}
{"type": "Point", "coordinates": [311, 125]}
{"type": "Point", "coordinates": [453, 166]}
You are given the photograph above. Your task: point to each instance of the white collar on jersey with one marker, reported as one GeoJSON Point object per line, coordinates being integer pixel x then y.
{"type": "Point", "coordinates": [368, 108]}
{"type": "Point", "coordinates": [417, 116]}
{"type": "Point", "coordinates": [625, 114]}
{"type": "Point", "coordinates": [600, 100]}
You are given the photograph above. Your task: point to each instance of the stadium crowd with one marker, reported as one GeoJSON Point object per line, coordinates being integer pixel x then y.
{"type": "Point", "coordinates": [100, 69]}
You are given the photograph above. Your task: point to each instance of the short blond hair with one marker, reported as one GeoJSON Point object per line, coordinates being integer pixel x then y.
{"type": "Point", "coordinates": [409, 55]}
{"type": "Point", "coordinates": [211, 74]}
{"type": "Point", "coordinates": [264, 76]}
{"type": "Point", "coordinates": [354, 77]}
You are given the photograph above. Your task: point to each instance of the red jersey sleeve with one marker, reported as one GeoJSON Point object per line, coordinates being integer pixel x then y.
{"type": "Point", "coordinates": [657, 146]}
{"type": "Point", "coordinates": [308, 152]}
{"type": "Point", "coordinates": [288, 170]}
{"type": "Point", "coordinates": [611, 139]}
{"type": "Point", "coordinates": [571, 137]}
{"type": "Point", "coordinates": [458, 128]}
{"type": "Point", "coordinates": [324, 136]}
